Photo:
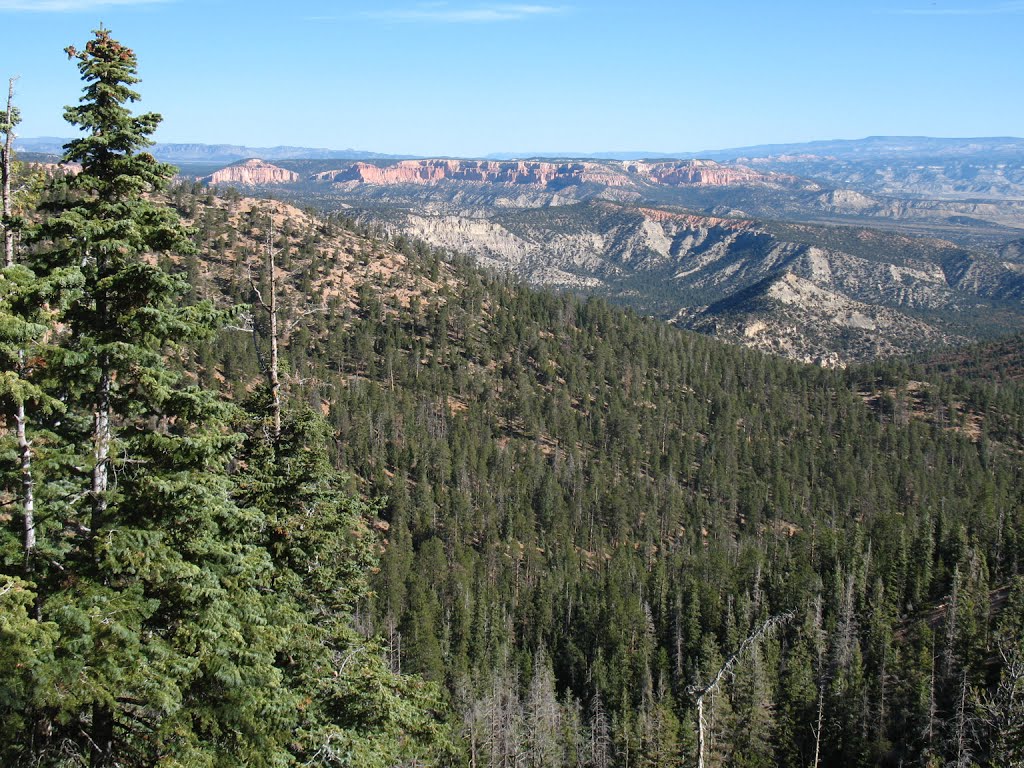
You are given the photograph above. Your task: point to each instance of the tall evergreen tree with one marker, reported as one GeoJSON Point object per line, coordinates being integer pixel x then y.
{"type": "Point", "coordinates": [354, 709]}
{"type": "Point", "coordinates": [153, 590]}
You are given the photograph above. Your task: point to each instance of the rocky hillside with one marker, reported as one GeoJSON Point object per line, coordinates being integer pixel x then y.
{"type": "Point", "coordinates": [322, 267]}
{"type": "Point", "coordinates": [823, 294]}
{"type": "Point", "coordinates": [794, 316]}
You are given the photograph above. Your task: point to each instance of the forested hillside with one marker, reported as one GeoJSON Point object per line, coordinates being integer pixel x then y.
{"type": "Point", "coordinates": [589, 512]}
{"type": "Point", "coordinates": [278, 490]}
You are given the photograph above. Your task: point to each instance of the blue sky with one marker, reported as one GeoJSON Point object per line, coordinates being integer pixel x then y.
{"type": "Point", "coordinates": [468, 78]}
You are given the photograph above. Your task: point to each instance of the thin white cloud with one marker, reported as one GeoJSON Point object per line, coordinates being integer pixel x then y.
{"type": "Point", "coordinates": [1015, 8]}
{"type": "Point", "coordinates": [476, 14]}
{"type": "Point", "coordinates": [67, 6]}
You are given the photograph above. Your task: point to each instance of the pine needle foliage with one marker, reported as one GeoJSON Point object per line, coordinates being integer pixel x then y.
{"type": "Point", "coordinates": [179, 613]}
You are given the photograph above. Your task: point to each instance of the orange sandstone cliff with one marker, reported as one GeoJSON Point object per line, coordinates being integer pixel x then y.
{"type": "Point", "coordinates": [546, 173]}
{"type": "Point", "coordinates": [252, 173]}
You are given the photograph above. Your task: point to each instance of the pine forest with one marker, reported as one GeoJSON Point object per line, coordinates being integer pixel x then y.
{"type": "Point", "coordinates": [283, 489]}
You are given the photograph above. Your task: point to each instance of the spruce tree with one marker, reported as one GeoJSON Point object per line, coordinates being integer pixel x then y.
{"type": "Point", "coordinates": [154, 590]}
{"type": "Point", "coordinates": [355, 709]}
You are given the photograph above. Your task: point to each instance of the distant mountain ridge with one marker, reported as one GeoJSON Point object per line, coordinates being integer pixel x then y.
{"type": "Point", "coordinates": [879, 147]}
{"type": "Point", "coordinates": [217, 153]}
{"type": "Point", "coordinates": [841, 149]}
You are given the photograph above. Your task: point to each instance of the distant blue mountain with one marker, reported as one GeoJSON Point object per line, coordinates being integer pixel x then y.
{"type": "Point", "coordinates": [877, 147]}
{"type": "Point", "coordinates": [873, 147]}
{"type": "Point", "coordinates": [217, 153]}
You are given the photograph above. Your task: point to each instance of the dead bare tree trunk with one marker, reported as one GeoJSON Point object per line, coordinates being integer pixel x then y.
{"type": "Point", "coordinates": [10, 120]}
{"type": "Point", "coordinates": [275, 369]}
{"type": "Point", "coordinates": [963, 750]}
{"type": "Point", "coordinates": [700, 732]}
{"type": "Point", "coordinates": [101, 448]}
{"type": "Point", "coordinates": [102, 430]}
{"type": "Point", "coordinates": [600, 735]}
{"type": "Point", "coordinates": [820, 645]}
{"type": "Point", "coordinates": [28, 503]}
{"type": "Point", "coordinates": [932, 705]}
{"type": "Point", "coordinates": [817, 727]}
{"type": "Point", "coordinates": [756, 636]}
{"type": "Point", "coordinates": [102, 731]}
{"type": "Point", "coordinates": [269, 305]}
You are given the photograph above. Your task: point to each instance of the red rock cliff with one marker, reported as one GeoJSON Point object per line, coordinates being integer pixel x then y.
{"type": "Point", "coordinates": [531, 173]}
{"type": "Point", "coordinates": [701, 173]}
{"type": "Point", "coordinates": [253, 173]}
{"type": "Point", "coordinates": [542, 174]}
